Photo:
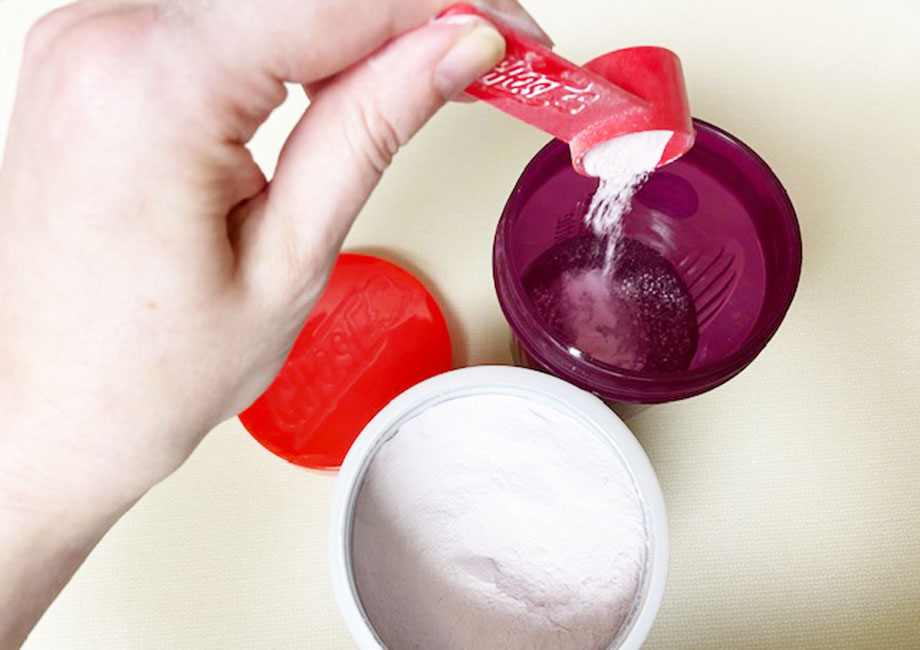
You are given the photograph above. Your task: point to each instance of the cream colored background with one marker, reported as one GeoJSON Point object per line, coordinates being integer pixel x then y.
{"type": "Point", "coordinates": [793, 491]}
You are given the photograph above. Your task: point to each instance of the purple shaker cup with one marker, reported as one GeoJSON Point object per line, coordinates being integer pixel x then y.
{"type": "Point", "coordinates": [718, 215]}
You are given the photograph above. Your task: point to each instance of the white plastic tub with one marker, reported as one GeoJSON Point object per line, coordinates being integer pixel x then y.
{"type": "Point", "coordinates": [569, 400]}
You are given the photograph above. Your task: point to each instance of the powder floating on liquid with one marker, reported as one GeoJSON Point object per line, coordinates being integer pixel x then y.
{"type": "Point", "coordinates": [638, 317]}
{"type": "Point", "coordinates": [622, 165]}
{"type": "Point", "coordinates": [494, 522]}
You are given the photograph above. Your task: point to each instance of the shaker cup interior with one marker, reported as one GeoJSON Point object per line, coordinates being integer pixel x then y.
{"type": "Point", "coordinates": [718, 215]}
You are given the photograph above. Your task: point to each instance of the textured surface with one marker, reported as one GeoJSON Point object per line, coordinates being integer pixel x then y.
{"type": "Point", "coordinates": [793, 491]}
{"type": "Point", "coordinates": [493, 521]}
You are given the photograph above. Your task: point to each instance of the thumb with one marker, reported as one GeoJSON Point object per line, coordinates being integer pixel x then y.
{"type": "Point", "coordinates": [291, 234]}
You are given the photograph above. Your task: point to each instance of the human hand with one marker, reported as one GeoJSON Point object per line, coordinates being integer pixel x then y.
{"type": "Point", "coordinates": [152, 280]}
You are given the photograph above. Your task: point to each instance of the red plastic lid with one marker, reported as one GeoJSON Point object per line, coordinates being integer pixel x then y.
{"type": "Point", "coordinates": [375, 332]}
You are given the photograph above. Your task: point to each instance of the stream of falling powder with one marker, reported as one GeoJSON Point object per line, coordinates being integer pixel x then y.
{"type": "Point", "coordinates": [610, 297]}
{"type": "Point", "coordinates": [621, 165]}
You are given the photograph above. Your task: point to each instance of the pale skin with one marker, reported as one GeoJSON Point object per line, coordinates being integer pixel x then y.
{"type": "Point", "coordinates": [152, 280]}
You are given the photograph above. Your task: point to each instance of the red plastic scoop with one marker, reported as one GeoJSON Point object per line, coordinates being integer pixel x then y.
{"type": "Point", "coordinates": [375, 332]}
{"type": "Point", "coordinates": [636, 89]}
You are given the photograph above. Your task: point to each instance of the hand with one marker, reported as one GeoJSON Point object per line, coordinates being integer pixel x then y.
{"type": "Point", "coordinates": [152, 281]}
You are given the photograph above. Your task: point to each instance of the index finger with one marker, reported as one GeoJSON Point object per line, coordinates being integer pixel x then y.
{"type": "Point", "coordinates": [303, 41]}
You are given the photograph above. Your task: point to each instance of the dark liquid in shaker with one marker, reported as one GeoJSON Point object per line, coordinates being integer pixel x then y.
{"type": "Point", "coordinates": [639, 316]}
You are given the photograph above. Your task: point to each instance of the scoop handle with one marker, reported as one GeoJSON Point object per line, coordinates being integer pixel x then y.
{"type": "Point", "coordinates": [579, 105]}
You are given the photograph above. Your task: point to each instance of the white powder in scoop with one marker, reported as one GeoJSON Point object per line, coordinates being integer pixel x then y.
{"type": "Point", "coordinates": [622, 165]}
{"type": "Point", "coordinates": [493, 522]}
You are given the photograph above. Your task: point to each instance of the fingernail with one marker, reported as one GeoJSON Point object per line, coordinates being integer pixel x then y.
{"type": "Point", "coordinates": [475, 53]}
{"type": "Point", "coordinates": [459, 19]}
{"type": "Point", "coordinates": [538, 31]}
{"type": "Point", "coordinates": [519, 19]}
